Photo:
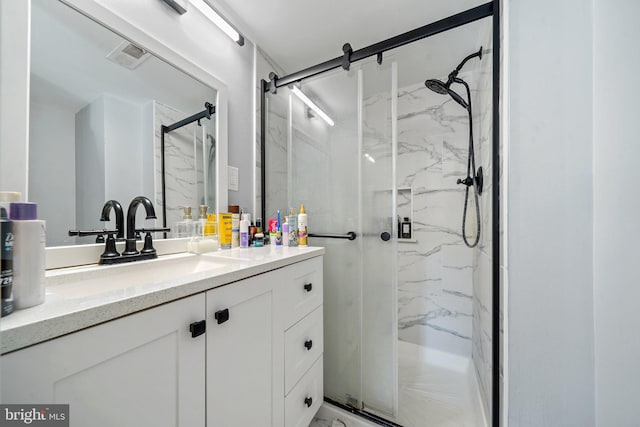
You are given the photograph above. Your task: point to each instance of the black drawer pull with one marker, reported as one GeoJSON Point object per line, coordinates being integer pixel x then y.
{"type": "Point", "coordinates": [308, 401]}
{"type": "Point", "coordinates": [222, 316]}
{"type": "Point", "coordinates": [198, 328]}
{"type": "Point", "coordinates": [308, 344]}
{"type": "Point", "coordinates": [308, 287]}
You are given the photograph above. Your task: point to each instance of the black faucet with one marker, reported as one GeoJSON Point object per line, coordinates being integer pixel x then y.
{"type": "Point", "coordinates": [130, 245]}
{"type": "Point", "coordinates": [117, 207]}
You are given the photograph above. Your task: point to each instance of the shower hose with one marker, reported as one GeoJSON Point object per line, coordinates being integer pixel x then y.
{"type": "Point", "coordinates": [470, 181]}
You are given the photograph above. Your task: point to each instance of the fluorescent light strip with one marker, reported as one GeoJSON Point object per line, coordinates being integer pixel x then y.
{"type": "Point", "coordinates": [208, 11]}
{"type": "Point", "coordinates": [311, 105]}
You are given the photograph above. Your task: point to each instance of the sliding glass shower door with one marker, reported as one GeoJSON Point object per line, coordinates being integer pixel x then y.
{"type": "Point", "coordinates": [344, 174]}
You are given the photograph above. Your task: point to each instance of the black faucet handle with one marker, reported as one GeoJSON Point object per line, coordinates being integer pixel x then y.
{"type": "Point", "coordinates": [84, 233]}
{"type": "Point", "coordinates": [110, 250]}
{"type": "Point", "coordinates": [153, 230]}
{"type": "Point", "coordinates": [148, 244]}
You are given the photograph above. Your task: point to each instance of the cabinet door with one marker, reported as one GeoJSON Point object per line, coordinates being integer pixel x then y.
{"type": "Point", "coordinates": [143, 369]}
{"type": "Point", "coordinates": [239, 354]}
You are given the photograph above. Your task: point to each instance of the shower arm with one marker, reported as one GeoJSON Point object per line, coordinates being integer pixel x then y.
{"type": "Point", "coordinates": [454, 74]}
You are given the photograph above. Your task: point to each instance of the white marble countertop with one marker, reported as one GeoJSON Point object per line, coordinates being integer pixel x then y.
{"type": "Point", "coordinates": [80, 297]}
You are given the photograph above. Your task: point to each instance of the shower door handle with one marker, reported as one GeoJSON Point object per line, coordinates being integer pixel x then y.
{"type": "Point", "coordinates": [351, 235]}
{"type": "Point", "coordinates": [385, 236]}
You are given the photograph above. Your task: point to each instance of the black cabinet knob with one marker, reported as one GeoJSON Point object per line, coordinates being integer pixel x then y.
{"type": "Point", "coordinates": [198, 328]}
{"type": "Point", "coordinates": [308, 344]}
{"type": "Point", "coordinates": [308, 401]}
{"type": "Point", "coordinates": [385, 236]}
{"type": "Point", "coordinates": [308, 287]}
{"type": "Point", "coordinates": [222, 315]}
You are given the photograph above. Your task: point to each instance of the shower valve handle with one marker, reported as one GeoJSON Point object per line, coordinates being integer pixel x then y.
{"type": "Point", "coordinates": [467, 181]}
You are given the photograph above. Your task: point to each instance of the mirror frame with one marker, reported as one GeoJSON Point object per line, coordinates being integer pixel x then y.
{"type": "Point", "coordinates": [65, 256]}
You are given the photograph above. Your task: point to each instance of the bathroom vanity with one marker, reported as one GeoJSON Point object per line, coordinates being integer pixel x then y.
{"type": "Point", "coordinates": [233, 338]}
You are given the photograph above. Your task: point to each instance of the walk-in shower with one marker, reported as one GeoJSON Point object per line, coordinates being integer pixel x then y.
{"type": "Point", "coordinates": [403, 313]}
{"type": "Point", "coordinates": [476, 179]}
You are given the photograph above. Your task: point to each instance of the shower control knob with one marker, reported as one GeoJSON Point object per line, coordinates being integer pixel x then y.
{"type": "Point", "coordinates": [467, 181]}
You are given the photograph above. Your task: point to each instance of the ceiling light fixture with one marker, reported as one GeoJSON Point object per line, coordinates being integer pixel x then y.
{"type": "Point", "coordinates": [312, 105]}
{"type": "Point", "coordinates": [207, 10]}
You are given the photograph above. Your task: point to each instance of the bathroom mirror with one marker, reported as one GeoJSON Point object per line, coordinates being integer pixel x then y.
{"type": "Point", "coordinates": [97, 104]}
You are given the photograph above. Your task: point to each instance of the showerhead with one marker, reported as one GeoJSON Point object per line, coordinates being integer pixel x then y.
{"type": "Point", "coordinates": [444, 89]}
{"type": "Point", "coordinates": [437, 86]}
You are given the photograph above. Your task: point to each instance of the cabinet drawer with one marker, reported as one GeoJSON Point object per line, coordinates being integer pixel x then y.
{"type": "Point", "coordinates": [305, 399]}
{"type": "Point", "coordinates": [303, 344]}
{"type": "Point", "coordinates": [302, 290]}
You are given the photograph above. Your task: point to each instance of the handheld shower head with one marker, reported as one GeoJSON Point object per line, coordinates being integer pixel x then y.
{"type": "Point", "coordinates": [443, 89]}
{"type": "Point", "coordinates": [458, 99]}
{"type": "Point", "coordinates": [437, 86]}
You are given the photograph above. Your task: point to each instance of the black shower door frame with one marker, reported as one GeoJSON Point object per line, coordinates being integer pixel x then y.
{"type": "Point", "coordinates": [490, 9]}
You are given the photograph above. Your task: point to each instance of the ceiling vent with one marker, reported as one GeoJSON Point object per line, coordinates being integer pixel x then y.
{"type": "Point", "coordinates": [128, 55]}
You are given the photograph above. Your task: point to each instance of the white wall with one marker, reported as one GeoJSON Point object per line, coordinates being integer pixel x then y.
{"type": "Point", "coordinates": [123, 132]}
{"type": "Point", "coordinates": [550, 242]}
{"type": "Point", "coordinates": [14, 94]}
{"type": "Point", "coordinates": [616, 207]}
{"type": "Point", "coordinates": [90, 165]}
{"type": "Point", "coordinates": [52, 154]}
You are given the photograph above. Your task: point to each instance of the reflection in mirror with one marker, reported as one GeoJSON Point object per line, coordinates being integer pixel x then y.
{"type": "Point", "coordinates": [97, 105]}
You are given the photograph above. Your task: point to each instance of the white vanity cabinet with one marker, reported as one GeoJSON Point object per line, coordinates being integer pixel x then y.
{"type": "Point", "coordinates": [300, 343]}
{"type": "Point", "coordinates": [142, 369]}
{"type": "Point", "coordinates": [259, 363]}
{"type": "Point", "coordinates": [239, 353]}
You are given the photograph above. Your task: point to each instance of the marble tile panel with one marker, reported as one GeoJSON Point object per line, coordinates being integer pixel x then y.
{"type": "Point", "coordinates": [180, 165]}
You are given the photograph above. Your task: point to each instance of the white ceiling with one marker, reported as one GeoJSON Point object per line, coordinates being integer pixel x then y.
{"type": "Point", "coordinates": [69, 68]}
{"type": "Point", "coordinates": [297, 34]}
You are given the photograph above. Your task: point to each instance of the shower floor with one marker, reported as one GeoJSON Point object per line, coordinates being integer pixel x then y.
{"type": "Point", "coordinates": [435, 389]}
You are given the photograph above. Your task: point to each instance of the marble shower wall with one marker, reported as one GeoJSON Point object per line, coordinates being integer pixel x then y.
{"type": "Point", "coordinates": [435, 294]}
{"type": "Point", "coordinates": [184, 164]}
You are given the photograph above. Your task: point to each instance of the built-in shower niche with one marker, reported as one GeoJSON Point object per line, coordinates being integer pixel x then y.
{"type": "Point", "coordinates": [406, 230]}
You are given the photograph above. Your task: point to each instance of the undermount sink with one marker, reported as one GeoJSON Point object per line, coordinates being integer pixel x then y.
{"type": "Point", "coordinates": [82, 281]}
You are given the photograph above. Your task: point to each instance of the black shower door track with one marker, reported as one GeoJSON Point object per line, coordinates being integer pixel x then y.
{"type": "Point", "coordinates": [471, 15]}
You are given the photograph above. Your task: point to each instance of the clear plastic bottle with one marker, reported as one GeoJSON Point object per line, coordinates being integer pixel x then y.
{"type": "Point", "coordinates": [186, 227]}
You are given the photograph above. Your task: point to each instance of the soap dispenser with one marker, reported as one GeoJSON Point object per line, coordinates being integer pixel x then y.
{"type": "Point", "coordinates": [185, 228]}
{"type": "Point", "coordinates": [406, 228]}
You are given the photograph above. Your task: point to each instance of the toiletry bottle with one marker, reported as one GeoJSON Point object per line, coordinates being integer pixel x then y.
{"type": "Point", "coordinates": [258, 240]}
{"type": "Point", "coordinates": [185, 227]}
{"type": "Point", "coordinates": [273, 227]}
{"type": "Point", "coordinates": [247, 216]}
{"type": "Point", "coordinates": [225, 224]}
{"type": "Point", "coordinates": [211, 232]}
{"type": "Point", "coordinates": [285, 234]}
{"type": "Point", "coordinates": [6, 263]}
{"type": "Point", "coordinates": [302, 226]}
{"type": "Point", "coordinates": [278, 229]}
{"type": "Point", "coordinates": [235, 225]}
{"type": "Point", "coordinates": [244, 233]}
{"type": "Point", "coordinates": [28, 255]}
{"type": "Point", "coordinates": [292, 220]}
{"type": "Point", "coordinates": [6, 198]}
{"type": "Point", "coordinates": [202, 219]}
{"type": "Point", "coordinates": [406, 228]}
